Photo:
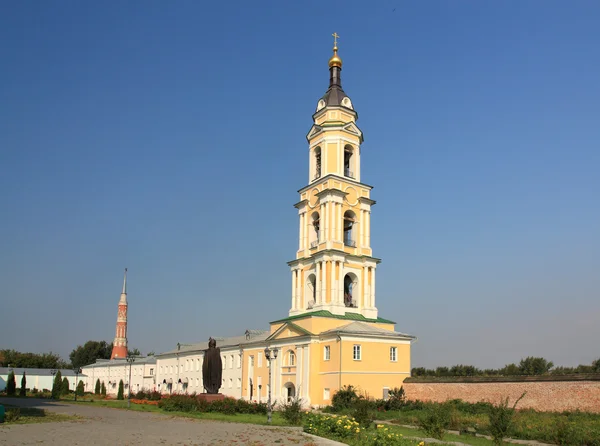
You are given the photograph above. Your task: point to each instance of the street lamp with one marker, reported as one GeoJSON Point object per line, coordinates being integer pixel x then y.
{"type": "Point", "coordinates": [270, 355]}
{"type": "Point", "coordinates": [77, 371]}
{"type": "Point", "coordinates": [130, 360]}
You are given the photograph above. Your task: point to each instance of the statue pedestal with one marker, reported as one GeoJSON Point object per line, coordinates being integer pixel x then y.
{"type": "Point", "coordinates": [210, 397]}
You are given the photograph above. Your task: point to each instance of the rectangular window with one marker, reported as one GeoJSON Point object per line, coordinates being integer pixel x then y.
{"type": "Point", "coordinates": [230, 361]}
{"type": "Point", "coordinates": [326, 394]}
{"type": "Point", "coordinates": [260, 360]}
{"type": "Point", "coordinates": [239, 383]}
{"type": "Point", "coordinates": [151, 372]}
{"type": "Point", "coordinates": [239, 361]}
{"type": "Point", "coordinates": [251, 361]}
{"type": "Point", "coordinates": [327, 353]}
{"type": "Point", "coordinates": [356, 353]}
{"type": "Point", "coordinates": [230, 383]}
{"type": "Point", "coordinates": [393, 354]}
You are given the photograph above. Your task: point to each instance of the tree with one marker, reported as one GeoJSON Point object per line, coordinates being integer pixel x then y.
{"type": "Point", "coordinates": [64, 387]}
{"type": "Point", "coordinates": [134, 352]}
{"type": "Point", "coordinates": [90, 351]}
{"type": "Point", "coordinates": [150, 353]}
{"type": "Point", "coordinates": [80, 388]}
{"type": "Point", "coordinates": [11, 384]}
{"type": "Point", "coordinates": [23, 390]}
{"type": "Point", "coordinates": [97, 389]}
{"type": "Point", "coordinates": [596, 366]}
{"type": "Point", "coordinates": [510, 370]}
{"type": "Point", "coordinates": [120, 394]}
{"type": "Point", "coordinates": [57, 386]}
{"type": "Point", "coordinates": [32, 360]}
{"type": "Point", "coordinates": [535, 366]}
{"type": "Point", "coordinates": [103, 389]}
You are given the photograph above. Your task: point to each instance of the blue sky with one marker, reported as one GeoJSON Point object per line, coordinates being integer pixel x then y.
{"type": "Point", "coordinates": [169, 138]}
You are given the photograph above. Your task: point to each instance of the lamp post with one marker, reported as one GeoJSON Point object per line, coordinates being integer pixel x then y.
{"type": "Point", "coordinates": [77, 371]}
{"type": "Point", "coordinates": [130, 360]}
{"type": "Point", "coordinates": [270, 355]}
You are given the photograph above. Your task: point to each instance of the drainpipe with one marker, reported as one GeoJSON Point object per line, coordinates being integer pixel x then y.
{"type": "Point", "coordinates": [340, 341]}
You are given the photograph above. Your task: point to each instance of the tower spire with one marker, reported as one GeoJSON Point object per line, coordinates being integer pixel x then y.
{"type": "Point", "coordinates": [125, 283]}
{"type": "Point", "coordinates": [120, 343]}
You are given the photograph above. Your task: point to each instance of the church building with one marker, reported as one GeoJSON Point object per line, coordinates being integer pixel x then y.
{"type": "Point", "coordinates": [333, 335]}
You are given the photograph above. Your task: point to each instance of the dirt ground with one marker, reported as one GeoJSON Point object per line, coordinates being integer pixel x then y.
{"type": "Point", "coordinates": [106, 426]}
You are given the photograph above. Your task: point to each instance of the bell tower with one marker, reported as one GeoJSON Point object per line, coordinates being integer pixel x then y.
{"type": "Point", "coordinates": [334, 269]}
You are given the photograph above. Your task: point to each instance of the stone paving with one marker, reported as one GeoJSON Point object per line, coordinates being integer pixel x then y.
{"type": "Point", "coordinates": [106, 426]}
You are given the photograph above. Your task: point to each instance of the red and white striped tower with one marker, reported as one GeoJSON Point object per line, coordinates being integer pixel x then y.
{"type": "Point", "coordinates": [120, 343]}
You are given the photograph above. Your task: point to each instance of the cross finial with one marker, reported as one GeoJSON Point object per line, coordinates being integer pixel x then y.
{"type": "Point", "coordinates": [335, 37]}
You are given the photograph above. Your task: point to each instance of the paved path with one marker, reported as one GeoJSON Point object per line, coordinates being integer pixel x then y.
{"type": "Point", "coordinates": [106, 426]}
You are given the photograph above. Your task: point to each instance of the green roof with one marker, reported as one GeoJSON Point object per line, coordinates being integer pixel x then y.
{"type": "Point", "coordinates": [325, 313]}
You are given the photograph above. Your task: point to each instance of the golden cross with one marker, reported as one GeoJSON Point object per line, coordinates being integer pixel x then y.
{"type": "Point", "coordinates": [335, 37]}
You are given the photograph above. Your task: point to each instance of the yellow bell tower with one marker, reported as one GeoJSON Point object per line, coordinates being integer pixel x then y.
{"type": "Point", "coordinates": [334, 269]}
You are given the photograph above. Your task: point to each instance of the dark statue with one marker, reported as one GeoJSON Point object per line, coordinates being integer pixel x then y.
{"type": "Point", "coordinates": [212, 367]}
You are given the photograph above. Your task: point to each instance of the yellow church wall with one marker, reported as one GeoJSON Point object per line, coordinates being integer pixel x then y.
{"type": "Point", "coordinates": [370, 375]}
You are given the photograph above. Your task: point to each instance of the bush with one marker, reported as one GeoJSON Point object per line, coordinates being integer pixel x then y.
{"type": "Point", "coordinates": [97, 388]}
{"type": "Point", "coordinates": [396, 400]}
{"type": "Point", "coordinates": [120, 392]}
{"type": "Point", "coordinates": [292, 411]}
{"type": "Point", "coordinates": [64, 387]}
{"type": "Point", "coordinates": [362, 412]}
{"type": "Point", "coordinates": [80, 388]}
{"type": "Point", "coordinates": [195, 403]}
{"type": "Point", "coordinates": [23, 390]}
{"type": "Point", "coordinates": [345, 398]}
{"type": "Point", "coordinates": [57, 386]}
{"type": "Point", "coordinates": [11, 385]}
{"type": "Point", "coordinates": [436, 420]}
{"type": "Point", "coordinates": [103, 389]}
{"type": "Point", "coordinates": [501, 418]}
{"type": "Point", "coordinates": [331, 425]}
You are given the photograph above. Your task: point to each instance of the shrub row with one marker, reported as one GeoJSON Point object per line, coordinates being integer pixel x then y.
{"type": "Point", "coordinates": [195, 403]}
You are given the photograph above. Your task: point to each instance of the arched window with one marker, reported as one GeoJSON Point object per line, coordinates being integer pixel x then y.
{"type": "Point", "coordinates": [349, 219]}
{"type": "Point", "coordinates": [315, 231]}
{"type": "Point", "coordinates": [311, 285]}
{"type": "Point", "coordinates": [317, 163]}
{"type": "Point", "coordinates": [349, 162]}
{"type": "Point", "coordinates": [350, 281]}
{"type": "Point", "coordinates": [291, 358]}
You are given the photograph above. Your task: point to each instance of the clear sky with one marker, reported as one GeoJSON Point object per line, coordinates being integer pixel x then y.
{"type": "Point", "coordinates": [169, 138]}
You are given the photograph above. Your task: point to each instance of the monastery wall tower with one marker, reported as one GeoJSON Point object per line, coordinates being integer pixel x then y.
{"type": "Point", "coordinates": [120, 343]}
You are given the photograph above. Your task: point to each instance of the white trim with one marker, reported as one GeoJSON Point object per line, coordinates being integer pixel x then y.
{"type": "Point", "coordinates": [367, 338]}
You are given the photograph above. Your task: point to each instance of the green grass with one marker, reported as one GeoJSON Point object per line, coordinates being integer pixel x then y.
{"type": "Point", "coordinates": [237, 418]}
{"type": "Point", "coordinates": [418, 433]}
{"type": "Point", "coordinates": [31, 415]}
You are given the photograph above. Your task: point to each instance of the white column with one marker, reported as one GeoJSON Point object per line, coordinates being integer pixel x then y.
{"type": "Point", "coordinates": [318, 283]}
{"type": "Point", "coordinates": [299, 383]}
{"type": "Point", "coordinates": [341, 288]}
{"type": "Point", "coordinates": [361, 240]}
{"type": "Point", "coordinates": [323, 281]}
{"type": "Point", "coordinates": [322, 223]}
{"type": "Point", "coordinates": [294, 303]}
{"type": "Point", "coordinates": [300, 231]}
{"type": "Point", "coordinates": [368, 229]}
{"type": "Point", "coordinates": [306, 380]}
{"type": "Point", "coordinates": [372, 301]}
